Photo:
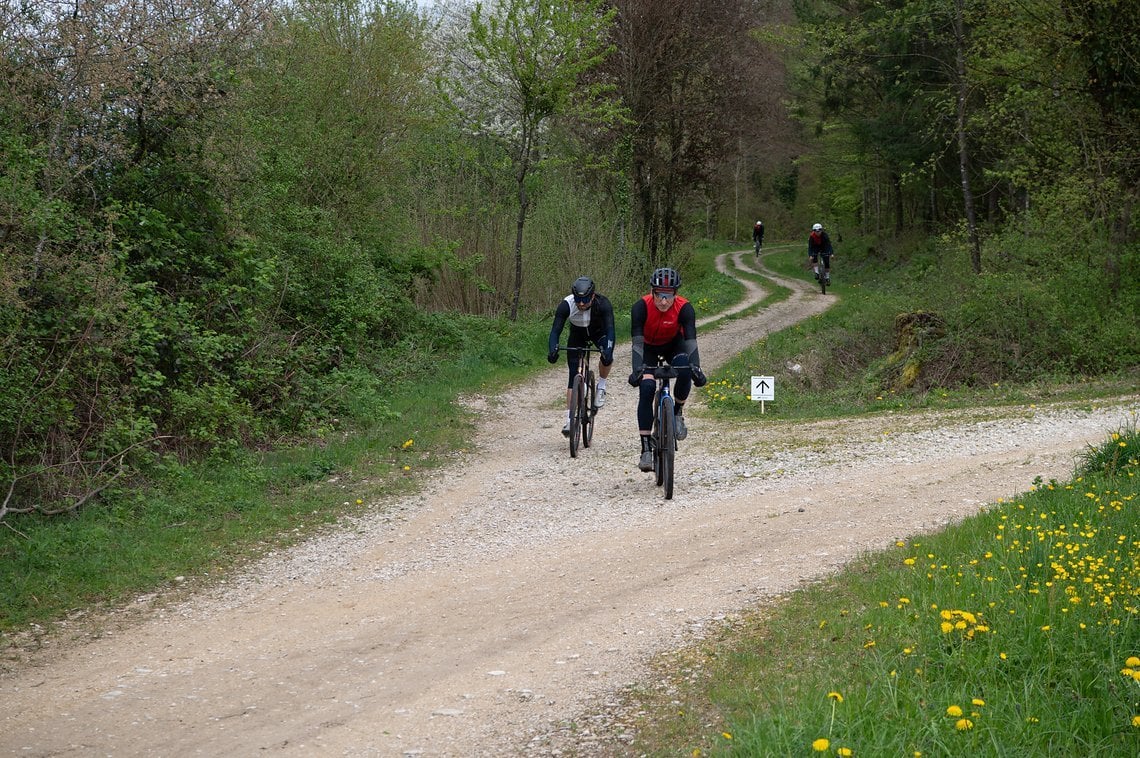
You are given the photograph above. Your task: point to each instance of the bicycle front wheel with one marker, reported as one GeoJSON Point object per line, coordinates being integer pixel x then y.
{"type": "Point", "coordinates": [658, 472]}
{"type": "Point", "coordinates": [667, 448]}
{"type": "Point", "coordinates": [575, 416]}
{"type": "Point", "coordinates": [588, 410]}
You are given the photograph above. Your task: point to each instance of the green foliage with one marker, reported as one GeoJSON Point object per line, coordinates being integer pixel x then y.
{"type": "Point", "coordinates": [528, 65]}
{"type": "Point", "coordinates": [1041, 318]}
{"type": "Point", "coordinates": [198, 519]}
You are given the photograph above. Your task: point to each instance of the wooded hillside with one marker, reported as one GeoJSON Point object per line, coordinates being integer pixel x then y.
{"type": "Point", "coordinates": [226, 222]}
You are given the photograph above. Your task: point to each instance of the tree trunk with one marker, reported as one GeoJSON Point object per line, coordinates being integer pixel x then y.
{"type": "Point", "coordinates": [900, 212]}
{"type": "Point", "coordinates": [524, 202]}
{"type": "Point", "coordinates": [963, 148]}
{"type": "Point", "coordinates": [736, 191]}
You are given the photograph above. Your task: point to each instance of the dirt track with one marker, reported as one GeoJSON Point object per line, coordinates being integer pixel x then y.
{"type": "Point", "coordinates": [522, 587]}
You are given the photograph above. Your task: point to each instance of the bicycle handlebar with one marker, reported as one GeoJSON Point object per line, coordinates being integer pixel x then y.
{"type": "Point", "coordinates": [579, 349]}
{"type": "Point", "coordinates": [663, 370]}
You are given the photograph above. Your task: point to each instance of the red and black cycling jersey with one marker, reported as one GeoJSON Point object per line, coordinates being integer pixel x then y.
{"type": "Point", "coordinates": [661, 328]}
{"type": "Point", "coordinates": [649, 327]}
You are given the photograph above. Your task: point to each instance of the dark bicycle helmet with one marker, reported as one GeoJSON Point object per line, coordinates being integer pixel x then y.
{"type": "Point", "coordinates": [665, 278]}
{"type": "Point", "coordinates": [582, 288]}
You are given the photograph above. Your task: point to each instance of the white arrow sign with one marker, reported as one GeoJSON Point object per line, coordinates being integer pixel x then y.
{"type": "Point", "coordinates": [763, 388]}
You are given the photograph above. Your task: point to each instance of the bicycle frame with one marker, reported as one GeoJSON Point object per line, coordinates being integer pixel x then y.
{"type": "Point", "coordinates": [583, 390]}
{"type": "Point", "coordinates": [663, 436]}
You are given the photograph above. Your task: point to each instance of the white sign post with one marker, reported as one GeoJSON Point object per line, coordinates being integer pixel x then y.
{"type": "Point", "coordinates": [763, 388]}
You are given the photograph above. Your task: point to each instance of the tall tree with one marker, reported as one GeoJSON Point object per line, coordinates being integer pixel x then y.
{"type": "Point", "coordinates": [684, 93]}
{"type": "Point", "coordinates": [524, 66]}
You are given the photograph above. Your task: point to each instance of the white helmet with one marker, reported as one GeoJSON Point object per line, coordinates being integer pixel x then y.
{"type": "Point", "coordinates": [759, 222]}
{"type": "Point", "coordinates": [817, 227]}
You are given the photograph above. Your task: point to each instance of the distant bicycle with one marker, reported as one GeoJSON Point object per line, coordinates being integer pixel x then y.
{"type": "Point", "coordinates": [664, 435]}
{"type": "Point", "coordinates": [583, 392]}
{"type": "Point", "coordinates": [821, 269]}
{"type": "Point", "coordinates": [758, 246]}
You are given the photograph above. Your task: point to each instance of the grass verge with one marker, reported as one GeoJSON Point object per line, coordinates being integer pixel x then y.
{"type": "Point", "coordinates": [1014, 632]}
{"type": "Point", "coordinates": [845, 361]}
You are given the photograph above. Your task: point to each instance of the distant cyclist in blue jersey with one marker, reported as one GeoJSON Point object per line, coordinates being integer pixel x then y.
{"type": "Point", "coordinates": [663, 324]}
{"type": "Point", "coordinates": [591, 318]}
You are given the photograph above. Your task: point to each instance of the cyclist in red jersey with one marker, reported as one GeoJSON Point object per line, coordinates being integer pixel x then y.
{"type": "Point", "coordinates": [663, 324]}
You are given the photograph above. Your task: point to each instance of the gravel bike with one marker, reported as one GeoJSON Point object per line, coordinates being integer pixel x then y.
{"type": "Point", "coordinates": [583, 394]}
{"type": "Point", "coordinates": [824, 273]}
{"type": "Point", "coordinates": [663, 438]}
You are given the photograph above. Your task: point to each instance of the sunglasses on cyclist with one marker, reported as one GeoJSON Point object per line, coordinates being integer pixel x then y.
{"type": "Point", "coordinates": [664, 294]}
{"type": "Point", "coordinates": [584, 300]}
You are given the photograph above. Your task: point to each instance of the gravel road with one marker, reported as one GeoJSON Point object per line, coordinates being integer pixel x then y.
{"type": "Point", "coordinates": [521, 589]}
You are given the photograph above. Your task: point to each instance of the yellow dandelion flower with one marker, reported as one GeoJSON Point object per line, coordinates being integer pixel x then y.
{"type": "Point", "coordinates": [1133, 662]}
{"type": "Point", "coordinates": [835, 696]}
{"type": "Point", "coordinates": [726, 735]}
{"type": "Point", "coordinates": [407, 468]}
{"type": "Point", "coordinates": [978, 702]}
{"type": "Point", "coordinates": [1003, 656]}
{"type": "Point", "coordinates": [821, 745]}
{"type": "Point", "coordinates": [408, 444]}
{"type": "Point", "coordinates": [359, 501]}
{"type": "Point", "coordinates": [947, 627]}
{"type": "Point", "coordinates": [963, 725]}
{"type": "Point", "coordinates": [845, 752]}
{"type": "Point", "coordinates": [953, 711]}
{"type": "Point", "coordinates": [1136, 721]}
{"type": "Point", "coordinates": [909, 561]}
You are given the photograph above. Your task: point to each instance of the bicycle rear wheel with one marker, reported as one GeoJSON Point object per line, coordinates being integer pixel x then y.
{"type": "Point", "coordinates": [668, 447]}
{"type": "Point", "coordinates": [575, 416]}
{"type": "Point", "coordinates": [822, 280]}
{"type": "Point", "coordinates": [588, 410]}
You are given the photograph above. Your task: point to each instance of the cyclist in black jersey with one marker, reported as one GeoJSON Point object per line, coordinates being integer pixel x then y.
{"type": "Point", "coordinates": [591, 318]}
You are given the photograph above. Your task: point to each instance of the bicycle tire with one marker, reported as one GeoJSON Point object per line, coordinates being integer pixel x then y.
{"type": "Point", "coordinates": [655, 440]}
{"type": "Point", "coordinates": [823, 281]}
{"type": "Point", "coordinates": [575, 416]}
{"type": "Point", "coordinates": [668, 447]}
{"type": "Point", "coordinates": [588, 409]}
